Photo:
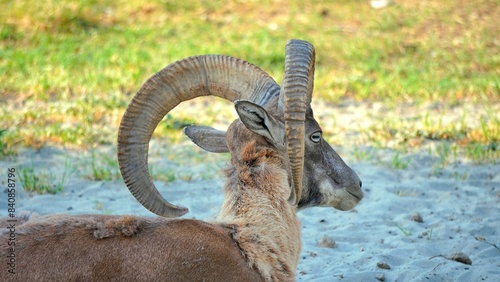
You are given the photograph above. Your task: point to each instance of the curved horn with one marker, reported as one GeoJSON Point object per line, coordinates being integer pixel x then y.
{"type": "Point", "coordinates": [295, 99]}
{"type": "Point", "coordinates": [217, 75]}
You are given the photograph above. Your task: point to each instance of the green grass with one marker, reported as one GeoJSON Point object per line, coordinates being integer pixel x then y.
{"type": "Point", "coordinates": [102, 167]}
{"type": "Point", "coordinates": [399, 162]}
{"type": "Point", "coordinates": [69, 68]}
{"type": "Point", "coordinates": [363, 154]}
{"type": "Point", "coordinates": [405, 232]}
{"type": "Point", "coordinates": [5, 147]}
{"type": "Point", "coordinates": [42, 181]}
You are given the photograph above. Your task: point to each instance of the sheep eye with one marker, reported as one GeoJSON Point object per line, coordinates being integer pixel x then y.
{"type": "Point", "coordinates": [316, 137]}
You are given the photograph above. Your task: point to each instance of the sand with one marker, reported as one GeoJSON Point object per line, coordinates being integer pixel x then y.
{"type": "Point", "coordinates": [422, 222]}
{"type": "Point", "coordinates": [408, 227]}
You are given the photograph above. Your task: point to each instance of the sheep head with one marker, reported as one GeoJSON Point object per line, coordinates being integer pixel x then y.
{"type": "Point", "coordinates": [282, 116]}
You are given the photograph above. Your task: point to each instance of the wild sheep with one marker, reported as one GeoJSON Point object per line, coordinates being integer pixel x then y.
{"type": "Point", "coordinates": [279, 162]}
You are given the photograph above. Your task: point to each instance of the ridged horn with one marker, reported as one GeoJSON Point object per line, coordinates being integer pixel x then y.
{"type": "Point", "coordinates": [295, 99]}
{"type": "Point", "coordinates": [216, 75]}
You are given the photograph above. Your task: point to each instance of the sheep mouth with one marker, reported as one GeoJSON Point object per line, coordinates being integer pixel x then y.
{"type": "Point", "coordinates": [357, 195]}
{"type": "Point", "coordinates": [348, 200]}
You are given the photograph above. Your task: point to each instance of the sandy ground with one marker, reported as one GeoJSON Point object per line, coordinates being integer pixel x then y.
{"type": "Point", "coordinates": [420, 223]}
{"type": "Point", "coordinates": [407, 228]}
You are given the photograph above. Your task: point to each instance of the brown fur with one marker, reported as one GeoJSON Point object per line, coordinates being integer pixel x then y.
{"type": "Point", "coordinates": [256, 237]}
{"type": "Point", "coordinates": [125, 248]}
{"type": "Point", "coordinates": [256, 194]}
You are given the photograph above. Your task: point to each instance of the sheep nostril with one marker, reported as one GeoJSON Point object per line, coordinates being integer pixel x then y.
{"type": "Point", "coordinates": [360, 184]}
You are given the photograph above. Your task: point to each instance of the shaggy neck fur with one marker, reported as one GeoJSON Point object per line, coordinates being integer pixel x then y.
{"type": "Point", "coordinates": [265, 225]}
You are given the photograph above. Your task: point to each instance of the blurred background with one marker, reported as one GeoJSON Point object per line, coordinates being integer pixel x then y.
{"type": "Point", "coordinates": [406, 91]}
{"type": "Point", "coordinates": [408, 72]}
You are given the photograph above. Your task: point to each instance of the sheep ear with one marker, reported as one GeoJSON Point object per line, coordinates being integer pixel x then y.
{"type": "Point", "coordinates": [256, 119]}
{"type": "Point", "coordinates": [207, 138]}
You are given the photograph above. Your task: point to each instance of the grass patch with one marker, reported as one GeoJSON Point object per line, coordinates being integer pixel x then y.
{"type": "Point", "coordinates": [42, 182]}
{"type": "Point", "coordinates": [448, 133]}
{"type": "Point", "coordinates": [362, 154]}
{"type": "Point", "coordinates": [6, 148]}
{"type": "Point", "coordinates": [68, 69]}
{"type": "Point", "coordinates": [103, 167]}
{"type": "Point", "coordinates": [399, 162]}
{"type": "Point", "coordinates": [162, 175]}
